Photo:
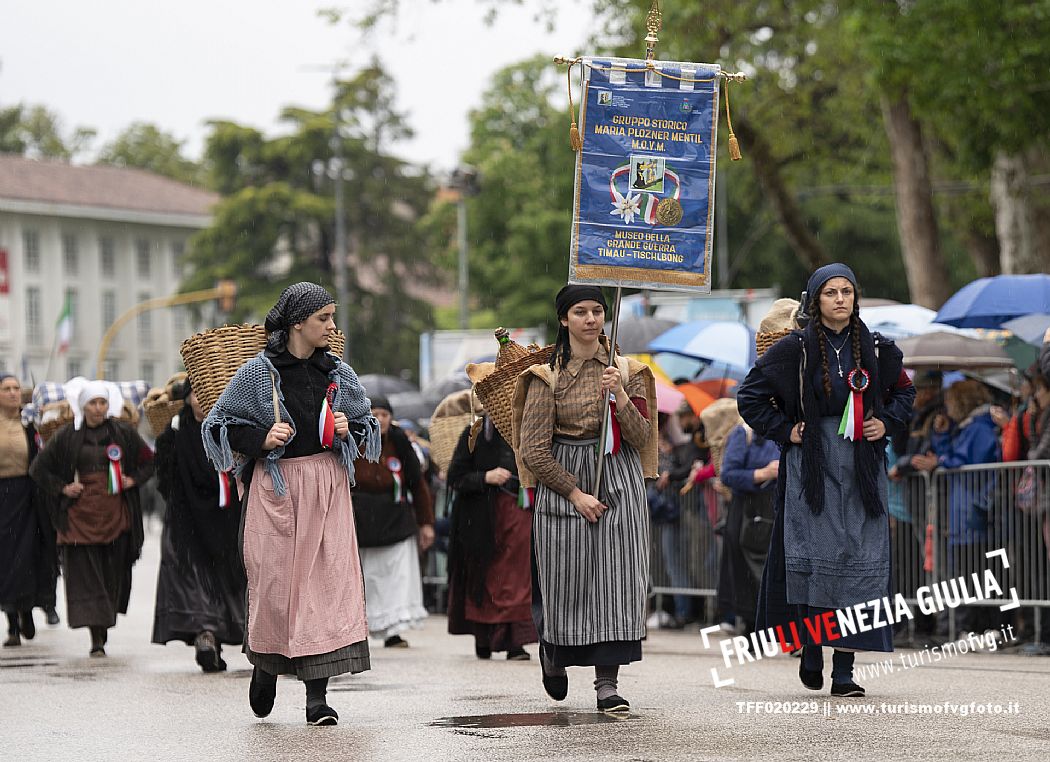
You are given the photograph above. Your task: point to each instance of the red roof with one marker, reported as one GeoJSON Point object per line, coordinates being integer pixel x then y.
{"type": "Point", "coordinates": [57, 182]}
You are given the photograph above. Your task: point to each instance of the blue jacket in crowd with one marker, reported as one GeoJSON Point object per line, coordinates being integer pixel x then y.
{"type": "Point", "coordinates": [975, 440]}
{"type": "Point", "coordinates": [741, 459]}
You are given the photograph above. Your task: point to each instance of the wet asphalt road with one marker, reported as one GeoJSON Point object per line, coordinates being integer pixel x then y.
{"type": "Point", "coordinates": [436, 701]}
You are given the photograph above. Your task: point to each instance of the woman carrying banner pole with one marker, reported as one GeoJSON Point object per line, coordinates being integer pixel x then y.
{"type": "Point", "coordinates": [301, 417]}
{"type": "Point", "coordinates": [590, 551]}
{"type": "Point", "coordinates": [829, 395]}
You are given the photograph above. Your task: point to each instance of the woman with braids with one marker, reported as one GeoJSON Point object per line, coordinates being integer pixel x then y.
{"type": "Point", "coordinates": [590, 546]}
{"type": "Point", "coordinates": [829, 395]}
{"type": "Point", "coordinates": [300, 417]}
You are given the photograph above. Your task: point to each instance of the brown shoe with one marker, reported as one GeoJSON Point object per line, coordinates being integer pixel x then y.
{"type": "Point", "coordinates": [12, 640]}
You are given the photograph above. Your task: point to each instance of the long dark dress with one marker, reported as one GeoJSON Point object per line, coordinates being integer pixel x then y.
{"type": "Point", "coordinates": [490, 587]}
{"type": "Point", "coordinates": [201, 581]}
{"type": "Point", "coordinates": [28, 562]}
{"type": "Point", "coordinates": [99, 535]}
{"type": "Point", "coordinates": [840, 556]}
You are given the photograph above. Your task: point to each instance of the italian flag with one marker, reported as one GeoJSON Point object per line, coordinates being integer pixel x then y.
{"type": "Point", "coordinates": [64, 327]}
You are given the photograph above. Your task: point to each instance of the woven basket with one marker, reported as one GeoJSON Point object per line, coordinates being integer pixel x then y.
{"type": "Point", "coordinates": [444, 436]}
{"type": "Point", "coordinates": [212, 357]}
{"type": "Point", "coordinates": [496, 392]}
{"type": "Point", "coordinates": [160, 412]}
{"type": "Point", "coordinates": [47, 429]}
{"type": "Point", "coordinates": [763, 341]}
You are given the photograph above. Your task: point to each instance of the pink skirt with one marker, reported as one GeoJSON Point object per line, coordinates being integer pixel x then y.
{"type": "Point", "coordinates": [305, 590]}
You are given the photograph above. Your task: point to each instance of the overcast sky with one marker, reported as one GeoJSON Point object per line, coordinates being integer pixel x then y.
{"type": "Point", "coordinates": [109, 63]}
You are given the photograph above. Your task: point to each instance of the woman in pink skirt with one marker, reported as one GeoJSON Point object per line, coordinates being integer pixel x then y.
{"type": "Point", "coordinates": [299, 417]}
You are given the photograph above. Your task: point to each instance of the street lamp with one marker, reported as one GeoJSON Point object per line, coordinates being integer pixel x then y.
{"type": "Point", "coordinates": [463, 180]}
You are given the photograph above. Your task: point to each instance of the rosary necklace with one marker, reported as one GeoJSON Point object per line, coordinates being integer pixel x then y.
{"type": "Point", "coordinates": [838, 350]}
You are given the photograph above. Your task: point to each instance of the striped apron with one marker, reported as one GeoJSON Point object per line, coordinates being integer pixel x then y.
{"type": "Point", "coordinates": [593, 578]}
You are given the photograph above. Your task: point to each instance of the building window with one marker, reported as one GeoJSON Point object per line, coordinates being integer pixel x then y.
{"type": "Point", "coordinates": [107, 257]}
{"type": "Point", "coordinates": [178, 321]}
{"type": "Point", "coordinates": [111, 370]}
{"type": "Point", "coordinates": [34, 328]}
{"type": "Point", "coordinates": [109, 309]}
{"type": "Point", "coordinates": [74, 368]}
{"type": "Point", "coordinates": [142, 259]}
{"type": "Point", "coordinates": [70, 254]}
{"type": "Point", "coordinates": [74, 306]}
{"type": "Point", "coordinates": [148, 370]}
{"type": "Point", "coordinates": [145, 323]}
{"type": "Point", "coordinates": [178, 249]}
{"type": "Point", "coordinates": [31, 251]}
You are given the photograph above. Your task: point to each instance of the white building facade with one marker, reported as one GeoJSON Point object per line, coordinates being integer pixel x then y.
{"type": "Point", "coordinates": [103, 239]}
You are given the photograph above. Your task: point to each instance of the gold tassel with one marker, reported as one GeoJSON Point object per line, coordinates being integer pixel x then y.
{"type": "Point", "coordinates": [575, 141]}
{"type": "Point", "coordinates": [734, 144]}
{"type": "Point", "coordinates": [734, 148]}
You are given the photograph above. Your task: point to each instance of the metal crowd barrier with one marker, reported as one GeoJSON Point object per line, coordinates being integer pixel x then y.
{"type": "Point", "coordinates": [970, 511]}
{"type": "Point", "coordinates": [941, 525]}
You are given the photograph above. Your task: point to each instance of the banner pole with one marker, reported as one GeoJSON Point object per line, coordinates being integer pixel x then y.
{"type": "Point", "coordinates": [603, 438]}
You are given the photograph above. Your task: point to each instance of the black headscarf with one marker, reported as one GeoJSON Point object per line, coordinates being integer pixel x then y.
{"type": "Point", "coordinates": [297, 302]}
{"type": "Point", "coordinates": [379, 402]}
{"type": "Point", "coordinates": [568, 296]}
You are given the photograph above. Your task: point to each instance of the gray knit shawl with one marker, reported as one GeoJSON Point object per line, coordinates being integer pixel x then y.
{"type": "Point", "coordinates": [248, 401]}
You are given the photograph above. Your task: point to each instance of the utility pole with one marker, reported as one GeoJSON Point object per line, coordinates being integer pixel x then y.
{"type": "Point", "coordinates": [464, 180]}
{"type": "Point", "coordinates": [342, 297]}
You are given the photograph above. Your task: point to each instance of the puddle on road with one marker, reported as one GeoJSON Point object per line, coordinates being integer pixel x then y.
{"type": "Point", "coordinates": [531, 719]}
{"type": "Point", "coordinates": [16, 664]}
{"type": "Point", "coordinates": [362, 687]}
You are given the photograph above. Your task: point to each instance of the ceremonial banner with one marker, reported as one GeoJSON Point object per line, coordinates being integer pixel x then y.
{"type": "Point", "coordinates": [644, 204]}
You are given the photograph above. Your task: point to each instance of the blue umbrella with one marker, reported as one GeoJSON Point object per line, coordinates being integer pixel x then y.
{"type": "Point", "coordinates": [716, 341]}
{"type": "Point", "coordinates": [990, 302]}
{"type": "Point", "coordinates": [1030, 328]}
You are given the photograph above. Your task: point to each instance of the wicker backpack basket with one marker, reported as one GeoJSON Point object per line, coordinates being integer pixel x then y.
{"type": "Point", "coordinates": [212, 357]}
{"type": "Point", "coordinates": [161, 405]}
{"type": "Point", "coordinates": [451, 416]}
{"type": "Point", "coordinates": [496, 391]}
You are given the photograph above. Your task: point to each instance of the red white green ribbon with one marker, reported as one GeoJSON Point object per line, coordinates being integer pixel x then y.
{"type": "Point", "coordinates": [524, 497]}
{"type": "Point", "coordinates": [326, 421]}
{"type": "Point", "coordinates": [224, 489]}
{"type": "Point", "coordinates": [115, 483]}
{"type": "Point", "coordinates": [612, 440]}
{"type": "Point", "coordinates": [394, 464]}
{"type": "Point", "coordinates": [852, 424]}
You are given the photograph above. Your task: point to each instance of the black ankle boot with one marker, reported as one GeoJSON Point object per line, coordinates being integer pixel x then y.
{"type": "Point", "coordinates": [26, 624]}
{"type": "Point", "coordinates": [261, 692]}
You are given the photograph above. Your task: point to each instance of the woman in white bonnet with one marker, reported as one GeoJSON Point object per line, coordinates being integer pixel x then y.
{"type": "Point", "coordinates": [90, 471]}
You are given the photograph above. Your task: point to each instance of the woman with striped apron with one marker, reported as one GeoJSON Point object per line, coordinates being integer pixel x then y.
{"type": "Point", "coordinates": [590, 547]}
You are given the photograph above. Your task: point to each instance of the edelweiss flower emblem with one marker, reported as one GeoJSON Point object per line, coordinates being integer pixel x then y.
{"type": "Point", "coordinates": [626, 206]}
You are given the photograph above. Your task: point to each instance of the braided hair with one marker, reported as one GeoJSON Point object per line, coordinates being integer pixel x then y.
{"type": "Point", "coordinates": [562, 349]}
{"type": "Point", "coordinates": [854, 322]}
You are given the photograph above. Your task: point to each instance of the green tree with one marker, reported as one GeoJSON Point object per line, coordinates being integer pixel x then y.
{"type": "Point", "coordinates": [275, 224]}
{"type": "Point", "coordinates": [519, 222]}
{"type": "Point", "coordinates": [37, 132]}
{"type": "Point", "coordinates": [146, 146]}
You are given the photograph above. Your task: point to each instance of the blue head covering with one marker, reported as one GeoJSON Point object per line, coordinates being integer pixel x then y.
{"type": "Point", "coordinates": [823, 274]}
